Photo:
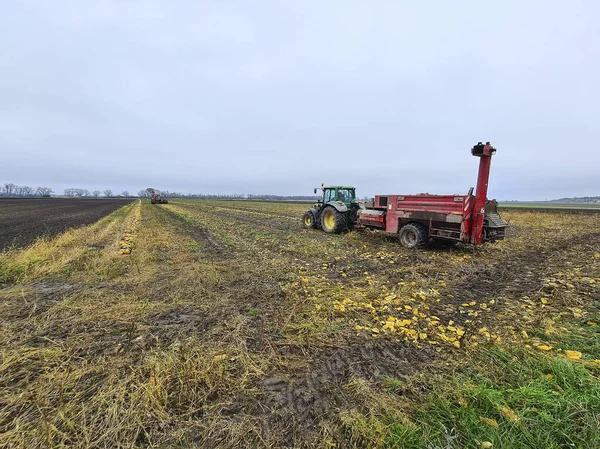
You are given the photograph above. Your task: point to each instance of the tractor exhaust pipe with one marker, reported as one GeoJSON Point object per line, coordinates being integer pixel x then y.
{"type": "Point", "coordinates": [484, 152]}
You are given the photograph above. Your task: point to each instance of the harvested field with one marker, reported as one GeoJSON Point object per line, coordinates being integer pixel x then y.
{"type": "Point", "coordinates": [25, 219]}
{"type": "Point", "coordinates": [553, 207]}
{"type": "Point", "coordinates": [228, 325]}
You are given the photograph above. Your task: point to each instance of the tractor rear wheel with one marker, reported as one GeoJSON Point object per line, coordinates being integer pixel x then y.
{"type": "Point", "coordinates": [332, 221]}
{"type": "Point", "coordinates": [308, 220]}
{"type": "Point", "coordinates": [413, 235]}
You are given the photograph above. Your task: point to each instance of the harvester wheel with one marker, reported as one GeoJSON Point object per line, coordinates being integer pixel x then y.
{"type": "Point", "coordinates": [332, 221]}
{"type": "Point", "coordinates": [308, 220]}
{"type": "Point", "coordinates": [413, 235]}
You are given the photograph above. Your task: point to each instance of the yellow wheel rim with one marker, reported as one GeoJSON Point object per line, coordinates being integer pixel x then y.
{"type": "Point", "coordinates": [329, 220]}
{"type": "Point", "coordinates": [307, 221]}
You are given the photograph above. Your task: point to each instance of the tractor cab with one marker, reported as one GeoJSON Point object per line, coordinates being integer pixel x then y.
{"type": "Point", "coordinates": [345, 195]}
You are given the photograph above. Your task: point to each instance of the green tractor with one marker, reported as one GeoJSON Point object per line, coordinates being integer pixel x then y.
{"type": "Point", "coordinates": [335, 212]}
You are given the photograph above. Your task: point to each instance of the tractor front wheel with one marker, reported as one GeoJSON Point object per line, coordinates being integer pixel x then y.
{"type": "Point", "coordinates": [413, 235]}
{"type": "Point", "coordinates": [332, 221]}
{"type": "Point", "coordinates": [308, 220]}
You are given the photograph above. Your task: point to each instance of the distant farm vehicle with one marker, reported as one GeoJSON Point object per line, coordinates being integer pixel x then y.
{"type": "Point", "coordinates": [335, 212]}
{"type": "Point", "coordinates": [157, 199]}
{"type": "Point", "coordinates": [418, 219]}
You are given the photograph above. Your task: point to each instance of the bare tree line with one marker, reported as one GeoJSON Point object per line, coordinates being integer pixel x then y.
{"type": "Point", "coordinates": [10, 189]}
{"type": "Point", "coordinates": [84, 193]}
{"type": "Point", "coordinates": [147, 193]}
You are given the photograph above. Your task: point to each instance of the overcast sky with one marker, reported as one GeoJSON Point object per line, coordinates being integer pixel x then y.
{"type": "Point", "coordinates": [278, 96]}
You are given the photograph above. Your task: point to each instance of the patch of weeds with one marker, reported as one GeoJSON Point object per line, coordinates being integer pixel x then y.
{"type": "Point", "coordinates": [334, 328]}
{"type": "Point", "coordinates": [113, 269]}
{"type": "Point", "coordinates": [584, 336]}
{"type": "Point", "coordinates": [510, 398]}
{"type": "Point", "coordinates": [193, 246]}
{"type": "Point", "coordinates": [11, 273]}
{"type": "Point", "coordinates": [394, 385]}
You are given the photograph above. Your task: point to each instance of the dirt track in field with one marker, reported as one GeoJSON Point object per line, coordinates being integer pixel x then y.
{"type": "Point", "coordinates": [24, 220]}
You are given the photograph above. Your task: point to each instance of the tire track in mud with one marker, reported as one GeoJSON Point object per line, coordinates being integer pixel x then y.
{"type": "Point", "coordinates": [257, 222]}
{"type": "Point", "coordinates": [22, 304]}
{"type": "Point", "coordinates": [256, 212]}
{"type": "Point", "coordinates": [270, 222]}
{"type": "Point", "coordinates": [195, 219]}
{"type": "Point", "coordinates": [242, 286]}
{"type": "Point", "coordinates": [250, 225]}
{"type": "Point", "coordinates": [308, 396]}
{"type": "Point", "coordinates": [208, 244]}
{"type": "Point", "coordinates": [377, 240]}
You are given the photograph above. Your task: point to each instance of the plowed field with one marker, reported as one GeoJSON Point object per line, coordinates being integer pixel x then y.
{"type": "Point", "coordinates": [24, 220]}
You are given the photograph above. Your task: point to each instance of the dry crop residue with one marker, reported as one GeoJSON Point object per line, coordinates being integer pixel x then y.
{"type": "Point", "coordinates": [230, 325]}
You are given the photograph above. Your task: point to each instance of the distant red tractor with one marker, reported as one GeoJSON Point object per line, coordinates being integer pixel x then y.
{"type": "Point", "coordinates": [461, 218]}
{"type": "Point", "coordinates": [157, 199]}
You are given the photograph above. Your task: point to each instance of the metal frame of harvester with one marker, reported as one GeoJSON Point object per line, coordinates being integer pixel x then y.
{"type": "Point", "coordinates": [157, 199]}
{"type": "Point", "coordinates": [417, 219]}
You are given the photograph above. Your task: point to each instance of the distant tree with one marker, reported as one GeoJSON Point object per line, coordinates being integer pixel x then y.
{"type": "Point", "coordinates": [96, 193]}
{"type": "Point", "coordinates": [76, 192]}
{"type": "Point", "coordinates": [125, 193]}
{"type": "Point", "coordinates": [147, 193]}
{"type": "Point", "coordinates": [86, 193]}
{"type": "Point", "coordinates": [108, 193]}
{"type": "Point", "coordinates": [43, 191]}
{"type": "Point", "coordinates": [9, 188]}
{"type": "Point", "coordinates": [26, 190]}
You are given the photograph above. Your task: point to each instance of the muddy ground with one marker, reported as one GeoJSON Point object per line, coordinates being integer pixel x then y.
{"type": "Point", "coordinates": [25, 219]}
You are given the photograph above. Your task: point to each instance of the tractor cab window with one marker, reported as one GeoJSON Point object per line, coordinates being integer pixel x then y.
{"type": "Point", "coordinates": [329, 195]}
{"type": "Point", "coordinates": [345, 195]}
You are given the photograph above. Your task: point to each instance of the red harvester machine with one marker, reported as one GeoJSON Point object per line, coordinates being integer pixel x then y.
{"type": "Point", "coordinates": [157, 199]}
{"type": "Point", "coordinates": [461, 218]}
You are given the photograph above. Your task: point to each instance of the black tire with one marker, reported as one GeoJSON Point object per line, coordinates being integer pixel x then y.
{"type": "Point", "coordinates": [413, 235]}
{"type": "Point", "coordinates": [308, 220]}
{"type": "Point", "coordinates": [332, 221]}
